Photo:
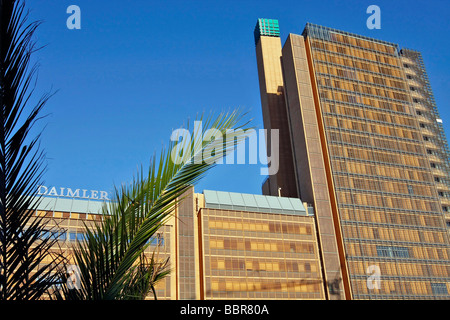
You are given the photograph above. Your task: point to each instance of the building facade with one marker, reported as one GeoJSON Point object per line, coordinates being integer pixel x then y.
{"type": "Point", "coordinates": [67, 217]}
{"type": "Point", "coordinates": [257, 247]}
{"type": "Point", "coordinates": [430, 124]}
{"type": "Point", "coordinates": [220, 245]}
{"type": "Point", "coordinates": [361, 157]}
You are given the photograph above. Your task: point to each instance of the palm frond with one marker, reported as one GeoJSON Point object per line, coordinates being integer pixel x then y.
{"type": "Point", "coordinates": [110, 258]}
{"type": "Point", "coordinates": [22, 249]}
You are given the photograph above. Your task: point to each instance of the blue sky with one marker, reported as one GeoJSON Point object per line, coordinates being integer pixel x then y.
{"type": "Point", "coordinates": [139, 69]}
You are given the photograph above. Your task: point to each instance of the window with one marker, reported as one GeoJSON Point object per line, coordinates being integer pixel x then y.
{"type": "Point", "coordinates": [422, 125]}
{"type": "Point", "coordinates": [433, 165]}
{"type": "Point", "coordinates": [307, 267]}
{"type": "Point", "coordinates": [419, 113]}
{"type": "Point", "coordinates": [410, 190]}
{"type": "Point", "coordinates": [445, 209]}
{"type": "Point", "coordinates": [441, 193]}
{"type": "Point", "coordinates": [426, 138]}
{"type": "Point", "coordinates": [73, 236]}
{"type": "Point", "coordinates": [439, 288]}
{"type": "Point", "coordinates": [392, 252]}
{"type": "Point", "coordinates": [158, 240]}
{"type": "Point", "coordinates": [429, 151]}
{"type": "Point", "coordinates": [62, 236]}
{"type": "Point", "coordinates": [412, 88]}
{"type": "Point", "coordinates": [406, 65]}
{"type": "Point", "coordinates": [376, 235]}
{"type": "Point", "coordinates": [437, 179]}
{"type": "Point", "coordinates": [400, 252]}
{"type": "Point", "coordinates": [53, 234]}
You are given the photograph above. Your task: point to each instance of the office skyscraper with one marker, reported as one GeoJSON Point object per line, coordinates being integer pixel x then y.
{"type": "Point", "coordinates": [369, 152]}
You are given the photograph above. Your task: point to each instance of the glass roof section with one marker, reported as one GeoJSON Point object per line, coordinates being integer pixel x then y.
{"type": "Point", "coordinates": [70, 205]}
{"type": "Point", "coordinates": [253, 203]}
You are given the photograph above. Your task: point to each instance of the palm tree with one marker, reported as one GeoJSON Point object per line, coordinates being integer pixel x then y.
{"type": "Point", "coordinates": [24, 241]}
{"type": "Point", "coordinates": [111, 259]}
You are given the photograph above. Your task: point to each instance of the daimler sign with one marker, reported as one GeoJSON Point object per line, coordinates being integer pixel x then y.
{"type": "Point", "coordinates": [72, 193]}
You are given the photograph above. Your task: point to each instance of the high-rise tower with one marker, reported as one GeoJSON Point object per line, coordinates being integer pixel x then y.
{"type": "Point", "coordinates": [268, 53]}
{"type": "Point", "coordinates": [306, 174]}
{"type": "Point", "coordinates": [361, 155]}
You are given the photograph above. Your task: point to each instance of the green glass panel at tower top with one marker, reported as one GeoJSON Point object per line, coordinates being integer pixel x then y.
{"type": "Point", "coordinates": [266, 27]}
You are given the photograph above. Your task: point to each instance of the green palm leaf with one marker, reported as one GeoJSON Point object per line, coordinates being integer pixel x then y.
{"type": "Point", "coordinates": [110, 259]}
{"type": "Point", "coordinates": [22, 248]}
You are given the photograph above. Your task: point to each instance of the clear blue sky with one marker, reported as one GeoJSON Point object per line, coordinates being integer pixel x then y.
{"type": "Point", "coordinates": [139, 69]}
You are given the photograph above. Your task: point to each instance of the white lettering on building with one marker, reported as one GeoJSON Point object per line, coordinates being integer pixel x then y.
{"type": "Point", "coordinates": [72, 193]}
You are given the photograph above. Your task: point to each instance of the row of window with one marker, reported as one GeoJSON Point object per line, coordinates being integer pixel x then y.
{"type": "Point", "coordinates": [355, 111]}
{"type": "Point", "coordinates": [399, 289]}
{"type": "Point", "coordinates": [80, 236]}
{"type": "Point", "coordinates": [365, 117]}
{"type": "Point", "coordinates": [259, 245]}
{"type": "Point", "coordinates": [380, 200]}
{"type": "Point", "coordinates": [381, 157]}
{"type": "Point", "coordinates": [409, 235]}
{"type": "Point", "coordinates": [372, 85]}
{"type": "Point", "coordinates": [359, 49]}
{"type": "Point", "coordinates": [386, 186]}
{"type": "Point", "coordinates": [376, 127]}
{"type": "Point", "coordinates": [389, 217]}
{"type": "Point", "coordinates": [399, 268]}
{"type": "Point", "coordinates": [352, 91]}
{"type": "Point", "coordinates": [271, 286]}
{"type": "Point", "coordinates": [372, 170]}
{"type": "Point", "coordinates": [365, 76]}
{"type": "Point", "coordinates": [272, 227]}
{"type": "Point", "coordinates": [248, 264]}
{"type": "Point", "coordinates": [361, 139]}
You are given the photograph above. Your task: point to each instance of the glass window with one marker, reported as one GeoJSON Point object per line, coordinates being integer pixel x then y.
{"type": "Point", "coordinates": [439, 288]}
{"type": "Point", "coordinates": [62, 236]}
{"type": "Point", "coordinates": [158, 240]}
{"type": "Point", "coordinates": [81, 236]}
{"type": "Point", "coordinates": [45, 234]}
{"type": "Point", "coordinates": [392, 252]}
{"type": "Point", "coordinates": [72, 236]}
